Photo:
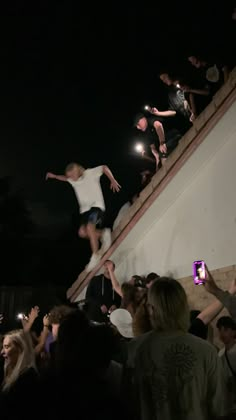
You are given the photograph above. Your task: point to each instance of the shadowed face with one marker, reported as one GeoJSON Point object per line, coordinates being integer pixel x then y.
{"type": "Point", "coordinates": [142, 124]}
{"type": "Point", "coordinates": [10, 351]}
{"type": "Point", "coordinates": [165, 78]}
{"type": "Point", "coordinates": [194, 61]}
{"type": "Point", "coordinates": [226, 335]}
{"type": "Point", "coordinates": [74, 173]}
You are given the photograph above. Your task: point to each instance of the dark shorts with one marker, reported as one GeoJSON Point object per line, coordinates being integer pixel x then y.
{"type": "Point", "coordinates": [94, 216]}
{"type": "Point", "coordinates": [172, 140]}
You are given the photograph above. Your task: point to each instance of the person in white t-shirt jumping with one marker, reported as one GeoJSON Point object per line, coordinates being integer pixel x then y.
{"type": "Point", "coordinates": [87, 188]}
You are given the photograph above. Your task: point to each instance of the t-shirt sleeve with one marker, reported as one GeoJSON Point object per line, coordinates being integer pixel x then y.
{"type": "Point", "coordinates": [216, 389]}
{"type": "Point", "coordinates": [96, 172]}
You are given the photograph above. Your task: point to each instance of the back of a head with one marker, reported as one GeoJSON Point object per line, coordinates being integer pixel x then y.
{"type": "Point", "coordinates": [59, 313]}
{"type": "Point", "coordinates": [168, 304]}
{"type": "Point", "coordinates": [128, 291]}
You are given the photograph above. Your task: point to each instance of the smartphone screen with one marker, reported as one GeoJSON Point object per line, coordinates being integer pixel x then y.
{"type": "Point", "coordinates": [199, 272]}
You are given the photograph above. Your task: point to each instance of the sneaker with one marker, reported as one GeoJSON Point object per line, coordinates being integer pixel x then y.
{"type": "Point", "coordinates": [106, 241]}
{"type": "Point", "coordinates": [94, 260]}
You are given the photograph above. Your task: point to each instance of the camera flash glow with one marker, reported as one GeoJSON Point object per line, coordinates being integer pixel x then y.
{"type": "Point", "coordinates": [20, 316]}
{"type": "Point", "coordinates": [178, 85]}
{"type": "Point", "coordinates": [147, 107]}
{"type": "Point", "coordinates": [139, 148]}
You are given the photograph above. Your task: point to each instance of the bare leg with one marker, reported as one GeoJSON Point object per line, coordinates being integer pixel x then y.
{"type": "Point", "coordinates": [192, 106]}
{"type": "Point", "coordinates": [155, 154]}
{"type": "Point", "coordinates": [82, 232]}
{"type": "Point", "coordinates": [160, 132]}
{"type": "Point", "coordinates": [93, 235]}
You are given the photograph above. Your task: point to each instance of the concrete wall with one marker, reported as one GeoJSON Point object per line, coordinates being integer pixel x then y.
{"type": "Point", "coordinates": [193, 218]}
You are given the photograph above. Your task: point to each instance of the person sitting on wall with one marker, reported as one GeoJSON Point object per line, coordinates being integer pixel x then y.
{"type": "Point", "coordinates": [154, 134]}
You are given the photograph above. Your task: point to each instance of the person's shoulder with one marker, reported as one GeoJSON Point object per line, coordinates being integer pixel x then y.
{"type": "Point", "coordinates": [137, 342]}
{"type": "Point", "coordinates": [201, 344]}
{"type": "Point", "coordinates": [93, 171]}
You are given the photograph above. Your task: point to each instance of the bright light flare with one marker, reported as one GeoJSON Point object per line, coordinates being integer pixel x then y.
{"type": "Point", "coordinates": [139, 148]}
{"type": "Point", "coordinates": [20, 316]}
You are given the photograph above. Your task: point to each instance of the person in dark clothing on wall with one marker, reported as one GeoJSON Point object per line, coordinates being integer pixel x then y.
{"type": "Point", "coordinates": [156, 132]}
{"type": "Point", "coordinates": [101, 299]}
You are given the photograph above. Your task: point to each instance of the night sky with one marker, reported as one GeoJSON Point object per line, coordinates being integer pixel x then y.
{"type": "Point", "coordinates": [72, 80]}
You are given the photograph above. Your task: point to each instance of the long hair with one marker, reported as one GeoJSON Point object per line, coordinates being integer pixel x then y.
{"type": "Point", "coordinates": [168, 305]}
{"type": "Point", "coordinates": [26, 357]}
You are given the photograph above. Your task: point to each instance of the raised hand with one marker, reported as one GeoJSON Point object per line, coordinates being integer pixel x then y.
{"type": "Point", "coordinates": [115, 187]}
{"type": "Point", "coordinates": [154, 111]}
{"type": "Point", "coordinates": [34, 313]}
{"type": "Point", "coordinates": [163, 148]}
{"type": "Point", "coordinates": [109, 265]}
{"type": "Point", "coordinates": [49, 175]}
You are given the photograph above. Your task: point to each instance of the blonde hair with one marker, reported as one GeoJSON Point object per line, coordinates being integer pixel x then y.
{"type": "Point", "coordinates": [26, 357]}
{"type": "Point", "coordinates": [168, 304]}
{"type": "Point", "coordinates": [73, 165]}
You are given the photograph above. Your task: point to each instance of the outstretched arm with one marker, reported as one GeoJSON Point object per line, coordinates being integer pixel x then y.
{"type": "Point", "coordinates": [50, 175]}
{"type": "Point", "coordinates": [168, 113]}
{"type": "Point", "coordinates": [115, 187]}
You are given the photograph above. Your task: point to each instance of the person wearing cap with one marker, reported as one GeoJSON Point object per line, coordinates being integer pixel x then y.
{"type": "Point", "coordinates": [122, 320]}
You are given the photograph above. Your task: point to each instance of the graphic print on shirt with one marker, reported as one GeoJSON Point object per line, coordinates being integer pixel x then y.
{"type": "Point", "coordinates": [167, 380]}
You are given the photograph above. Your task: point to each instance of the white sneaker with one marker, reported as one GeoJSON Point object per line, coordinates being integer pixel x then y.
{"type": "Point", "coordinates": [94, 260]}
{"type": "Point", "coordinates": [106, 241]}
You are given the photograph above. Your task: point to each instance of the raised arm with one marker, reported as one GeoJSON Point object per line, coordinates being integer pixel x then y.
{"type": "Point", "coordinates": [203, 92]}
{"type": "Point", "coordinates": [227, 298]}
{"type": "Point", "coordinates": [115, 187]}
{"type": "Point", "coordinates": [168, 113]}
{"type": "Point", "coordinates": [50, 175]}
{"type": "Point", "coordinates": [115, 284]}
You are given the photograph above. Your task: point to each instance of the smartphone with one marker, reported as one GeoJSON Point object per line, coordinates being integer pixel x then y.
{"type": "Point", "coordinates": [199, 272]}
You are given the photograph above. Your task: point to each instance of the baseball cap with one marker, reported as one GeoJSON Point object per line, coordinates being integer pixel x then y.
{"type": "Point", "coordinates": [122, 320]}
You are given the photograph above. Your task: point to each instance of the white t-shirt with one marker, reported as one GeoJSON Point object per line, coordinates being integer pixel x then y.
{"type": "Point", "coordinates": [88, 189]}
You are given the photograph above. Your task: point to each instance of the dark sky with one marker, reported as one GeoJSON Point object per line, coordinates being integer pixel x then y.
{"type": "Point", "coordinates": [72, 79]}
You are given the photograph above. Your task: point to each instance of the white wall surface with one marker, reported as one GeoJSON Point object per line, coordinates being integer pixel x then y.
{"type": "Point", "coordinates": [193, 218]}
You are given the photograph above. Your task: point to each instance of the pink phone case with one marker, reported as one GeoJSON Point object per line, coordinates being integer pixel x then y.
{"type": "Point", "coordinates": [199, 272]}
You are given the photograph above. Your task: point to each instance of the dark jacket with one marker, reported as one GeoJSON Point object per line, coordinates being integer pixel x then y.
{"type": "Point", "coordinates": [100, 292]}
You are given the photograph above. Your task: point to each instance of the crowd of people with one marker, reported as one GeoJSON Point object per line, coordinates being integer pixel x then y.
{"type": "Point", "coordinates": [133, 350]}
